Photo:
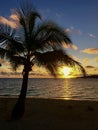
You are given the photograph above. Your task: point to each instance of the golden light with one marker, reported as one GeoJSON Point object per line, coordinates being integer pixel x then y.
{"type": "Point", "coordinates": [65, 71]}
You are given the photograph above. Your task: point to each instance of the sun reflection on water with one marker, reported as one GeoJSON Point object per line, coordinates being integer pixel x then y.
{"type": "Point", "coordinates": [67, 90]}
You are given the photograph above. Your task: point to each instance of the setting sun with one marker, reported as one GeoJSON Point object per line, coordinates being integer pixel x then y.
{"type": "Point", "coordinates": [65, 71]}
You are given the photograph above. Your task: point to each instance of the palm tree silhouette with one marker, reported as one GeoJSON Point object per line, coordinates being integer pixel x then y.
{"type": "Point", "coordinates": [33, 43]}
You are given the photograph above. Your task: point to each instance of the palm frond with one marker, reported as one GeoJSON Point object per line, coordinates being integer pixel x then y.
{"type": "Point", "coordinates": [27, 16]}
{"type": "Point", "coordinates": [6, 29]}
{"type": "Point", "coordinates": [34, 40]}
{"type": "Point", "coordinates": [12, 45]}
{"type": "Point", "coordinates": [50, 34]}
{"type": "Point", "coordinates": [51, 61]}
{"type": "Point", "coordinates": [6, 53]}
{"type": "Point", "coordinates": [8, 39]}
{"type": "Point", "coordinates": [3, 52]}
{"type": "Point", "coordinates": [32, 18]}
{"type": "Point", "coordinates": [16, 61]}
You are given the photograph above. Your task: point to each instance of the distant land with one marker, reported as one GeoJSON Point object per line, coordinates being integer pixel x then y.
{"type": "Point", "coordinates": [91, 76]}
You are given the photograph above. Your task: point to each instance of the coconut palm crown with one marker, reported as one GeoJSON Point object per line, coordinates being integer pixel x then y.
{"type": "Point", "coordinates": [34, 43]}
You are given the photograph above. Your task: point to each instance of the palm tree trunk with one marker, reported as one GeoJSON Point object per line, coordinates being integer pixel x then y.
{"type": "Point", "coordinates": [19, 107]}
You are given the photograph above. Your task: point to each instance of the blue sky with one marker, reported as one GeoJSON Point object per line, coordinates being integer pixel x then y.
{"type": "Point", "coordinates": [78, 17]}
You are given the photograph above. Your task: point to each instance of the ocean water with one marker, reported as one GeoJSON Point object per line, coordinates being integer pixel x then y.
{"type": "Point", "coordinates": [72, 89]}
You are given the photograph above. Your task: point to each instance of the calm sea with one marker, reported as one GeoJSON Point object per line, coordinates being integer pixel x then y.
{"type": "Point", "coordinates": [75, 89]}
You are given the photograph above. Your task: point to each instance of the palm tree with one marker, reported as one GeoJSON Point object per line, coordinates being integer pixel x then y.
{"type": "Point", "coordinates": [34, 43]}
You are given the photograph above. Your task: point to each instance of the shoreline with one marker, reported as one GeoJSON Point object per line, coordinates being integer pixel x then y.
{"type": "Point", "coordinates": [50, 98]}
{"type": "Point", "coordinates": [50, 114]}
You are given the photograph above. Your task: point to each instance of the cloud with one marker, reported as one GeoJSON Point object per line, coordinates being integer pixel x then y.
{"type": "Point", "coordinates": [91, 35]}
{"type": "Point", "coordinates": [75, 58]}
{"type": "Point", "coordinates": [86, 60]}
{"type": "Point", "coordinates": [71, 30]}
{"type": "Point", "coordinates": [90, 51]}
{"type": "Point", "coordinates": [14, 17]}
{"type": "Point", "coordinates": [74, 47]}
{"type": "Point", "coordinates": [68, 30]}
{"type": "Point", "coordinates": [12, 21]}
{"type": "Point", "coordinates": [1, 60]}
{"type": "Point", "coordinates": [78, 32]}
{"type": "Point", "coordinates": [90, 67]}
{"type": "Point", "coordinates": [96, 59]}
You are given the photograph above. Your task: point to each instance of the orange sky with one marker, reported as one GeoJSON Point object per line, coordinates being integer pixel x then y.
{"type": "Point", "coordinates": [79, 18]}
{"type": "Point", "coordinates": [6, 71]}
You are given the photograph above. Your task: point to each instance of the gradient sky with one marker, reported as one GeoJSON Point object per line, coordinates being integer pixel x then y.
{"type": "Point", "coordinates": [78, 17]}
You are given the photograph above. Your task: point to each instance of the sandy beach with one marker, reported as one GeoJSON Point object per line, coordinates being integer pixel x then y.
{"type": "Point", "coordinates": [50, 114]}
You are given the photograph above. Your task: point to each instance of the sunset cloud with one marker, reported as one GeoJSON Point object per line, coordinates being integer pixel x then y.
{"type": "Point", "coordinates": [14, 17]}
{"type": "Point", "coordinates": [86, 60]}
{"type": "Point", "coordinates": [1, 60]}
{"type": "Point", "coordinates": [75, 58]}
{"type": "Point", "coordinates": [91, 70]}
{"type": "Point", "coordinates": [90, 51]}
{"type": "Point", "coordinates": [71, 30]}
{"type": "Point", "coordinates": [11, 21]}
{"type": "Point", "coordinates": [90, 67]}
{"type": "Point", "coordinates": [74, 47]}
{"type": "Point", "coordinates": [96, 59]}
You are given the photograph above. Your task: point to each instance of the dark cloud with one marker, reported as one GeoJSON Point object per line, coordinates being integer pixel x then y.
{"type": "Point", "coordinates": [89, 66]}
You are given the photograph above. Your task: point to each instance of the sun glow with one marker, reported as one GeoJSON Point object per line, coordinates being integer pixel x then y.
{"type": "Point", "coordinates": [65, 72]}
